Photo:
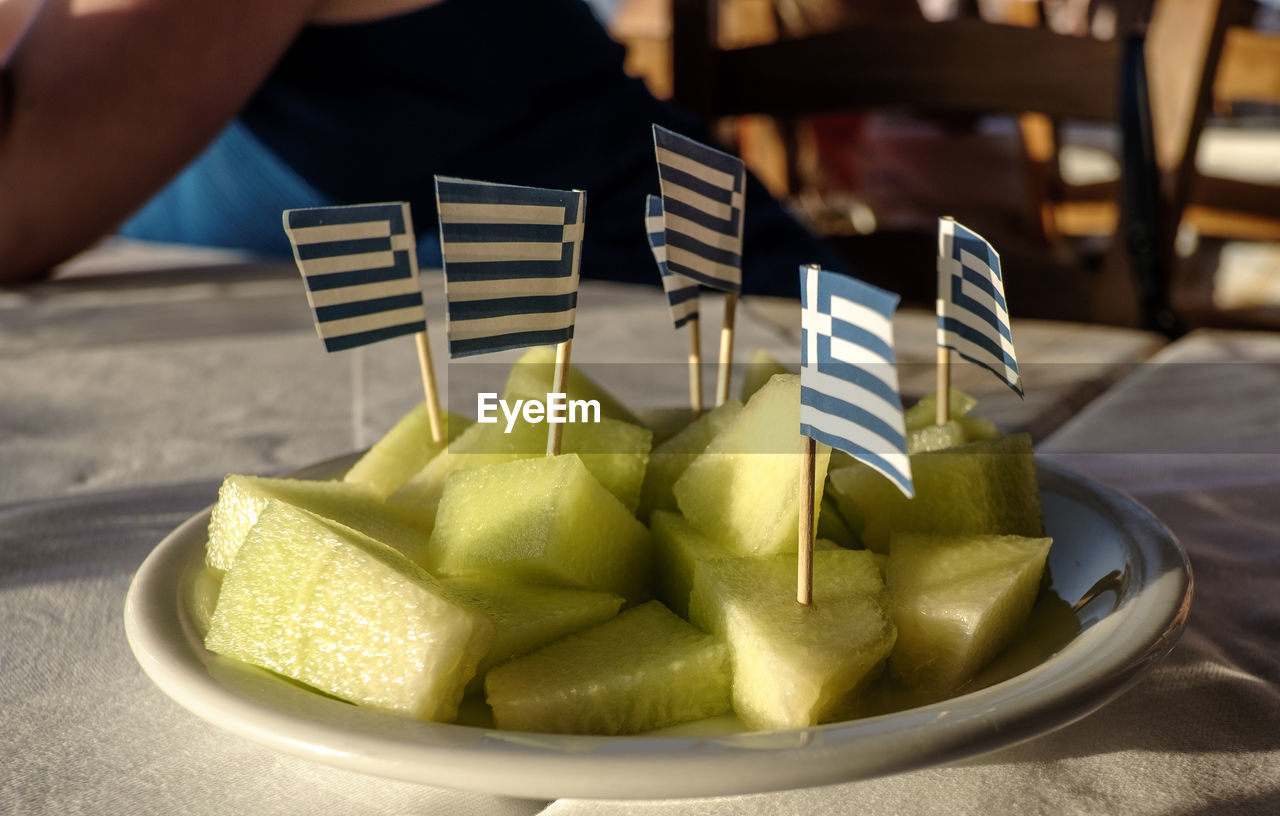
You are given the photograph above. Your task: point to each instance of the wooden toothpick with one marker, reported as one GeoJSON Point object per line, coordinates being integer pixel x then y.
{"type": "Point", "coordinates": [726, 348]}
{"type": "Point", "coordinates": [944, 385]}
{"type": "Point", "coordinates": [695, 368]}
{"type": "Point", "coordinates": [429, 387]}
{"type": "Point", "coordinates": [804, 559]}
{"type": "Point", "coordinates": [559, 378]}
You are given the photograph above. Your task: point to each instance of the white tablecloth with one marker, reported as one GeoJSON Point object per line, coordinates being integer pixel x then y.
{"type": "Point", "coordinates": [117, 427]}
{"type": "Point", "coordinates": [1195, 436]}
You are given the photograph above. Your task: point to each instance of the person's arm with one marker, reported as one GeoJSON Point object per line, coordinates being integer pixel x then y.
{"type": "Point", "coordinates": [102, 101]}
{"type": "Point", "coordinates": [14, 15]}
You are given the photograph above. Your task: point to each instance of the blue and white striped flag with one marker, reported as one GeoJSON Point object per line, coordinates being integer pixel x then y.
{"type": "Point", "coordinates": [973, 317]}
{"type": "Point", "coordinates": [703, 190]}
{"type": "Point", "coordinates": [360, 266]}
{"type": "Point", "coordinates": [511, 257]}
{"type": "Point", "coordinates": [682, 293]}
{"type": "Point", "coordinates": [849, 396]}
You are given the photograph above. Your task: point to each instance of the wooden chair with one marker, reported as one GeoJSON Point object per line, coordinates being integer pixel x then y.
{"type": "Point", "coordinates": [965, 66]}
{"type": "Point", "coordinates": [1204, 59]}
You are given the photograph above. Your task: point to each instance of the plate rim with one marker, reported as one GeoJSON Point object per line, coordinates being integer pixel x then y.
{"type": "Point", "coordinates": [487, 760]}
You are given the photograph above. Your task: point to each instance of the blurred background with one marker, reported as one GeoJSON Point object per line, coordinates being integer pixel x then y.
{"type": "Point", "coordinates": [1124, 155]}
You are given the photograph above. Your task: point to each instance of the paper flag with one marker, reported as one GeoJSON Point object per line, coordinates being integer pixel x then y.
{"type": "Point", "coordinates": [511, 257]}
{"type": "Point", "coordinates": [849, 397]}
{"type": "Point", "coordinates": [973, 317]}
{"type": "Point", "coordinates": [682, 293]}
{"type": "Point", "coordinates": [360, 267]}
{"type": "Point", "coordinates": [703, 191]}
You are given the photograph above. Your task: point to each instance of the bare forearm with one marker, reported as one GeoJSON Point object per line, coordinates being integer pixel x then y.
{"type": "Point", "coordinates": [14, 15]}
{"type": "Point", "coordinates": [107, 99]}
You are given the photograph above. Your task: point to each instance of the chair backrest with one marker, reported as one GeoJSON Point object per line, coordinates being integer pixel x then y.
{"type": "Point", "coordinates": [951, 65]}
{"type": "Point", "coordinates": [963, 65]}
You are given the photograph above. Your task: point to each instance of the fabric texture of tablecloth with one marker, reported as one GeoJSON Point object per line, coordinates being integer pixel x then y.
{"type": "Point", "coordinates": [1194, 435]}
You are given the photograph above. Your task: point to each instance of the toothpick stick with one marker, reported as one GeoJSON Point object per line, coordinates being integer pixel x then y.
{"type": "Point", "coordinates": [559, 377]}
{"type": "Point", "coordinates": [425, 366]}
{"type": "Point", "coordinates": [695, 368]}
{"type": "Point", "coordinates": [429, 387]}
{"type": "Point", "coordinates": [944, 385]}
{"type": "Point", "coordinates": [726, 348]}
{"type": "Point", "coordinates": [804, 561]}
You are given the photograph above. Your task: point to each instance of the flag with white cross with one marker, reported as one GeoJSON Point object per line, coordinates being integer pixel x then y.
{"type": "Point", "coordinates": [849, 396]}
{"type": "Point", "coordinates": [973, 316]}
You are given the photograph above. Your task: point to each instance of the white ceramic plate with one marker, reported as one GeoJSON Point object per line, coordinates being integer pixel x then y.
{"type": "Point", "coordinates": [1125, 581]}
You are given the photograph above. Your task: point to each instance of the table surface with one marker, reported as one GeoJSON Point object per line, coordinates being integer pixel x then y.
{"type": "Point", "coordinates": [124, 399]}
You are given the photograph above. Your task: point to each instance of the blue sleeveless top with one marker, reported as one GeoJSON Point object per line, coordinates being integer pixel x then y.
{"type": "Point", "coordinates": [527, 92]}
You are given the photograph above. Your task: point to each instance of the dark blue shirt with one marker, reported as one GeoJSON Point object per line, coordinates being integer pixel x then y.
{"type": "Point", "coordinates": [527, 92]}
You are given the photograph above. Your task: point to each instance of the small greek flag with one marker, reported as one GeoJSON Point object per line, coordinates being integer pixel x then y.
{"type": "Point", "coordinates": [703, 190]}
{"type": "Point", "coordinates": [360, 266]}
{"type": "Point", "coordinates": [511, 258]}
{"type": "Point", "coordinates": [849, 395]}
{"type": "Point", "coordinates": [682, 293]}
{"type": "Point", "coordinates": [973, 317]}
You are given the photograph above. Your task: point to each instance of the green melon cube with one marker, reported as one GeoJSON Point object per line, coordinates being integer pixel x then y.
{"type": "Point", "coordinates": [544, 521]}
{"type": "Point", "coordinates": [833, 527]}
{"type": "Point", "coordinates": [760, 368]}
{"type": "Point", "coordinates": [334, 609]}
{"type": "Point", "coordinates": [669, 460]}
{"type": "Point", "coordinates": [403, 451]}
{"type": "Point", "coordinates": [794, 665]}
{"type": "Point", "coordinates": [420, 495]}
{"type": "Point", "coordinates": [241, 499]}
{"type": "Point", "coordinates": [1051, 625]}
{"type": "Point", "coordinates": [744, 488]}
{"type": "Point", "coordinates": [527, 617]}
{"type": "Point", "coordinates": [925, 412]}
{"type": "Point", "coordinates": [956, 432]}
{"type": "Point", "coordinates": [665, 422]}
{"type": "Point", "coordinates": [616, 453]}
{"type": "Point", "coordinates": [958, 601]}
{"type": "Point", "coordinates": [645, 669]}
{"type": "Point", "coordinates": [982, 487]}
{"type": "Point", "coordinates": [532, 376]}
{"type": "Point", "coordinates": [840, 459]}
{"type": "Point", "coordinates": [677, 550]}
{"type": "Point", "coordinates": [936, 437]}
{"type": "Point", "coordinates": [977, 428]}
